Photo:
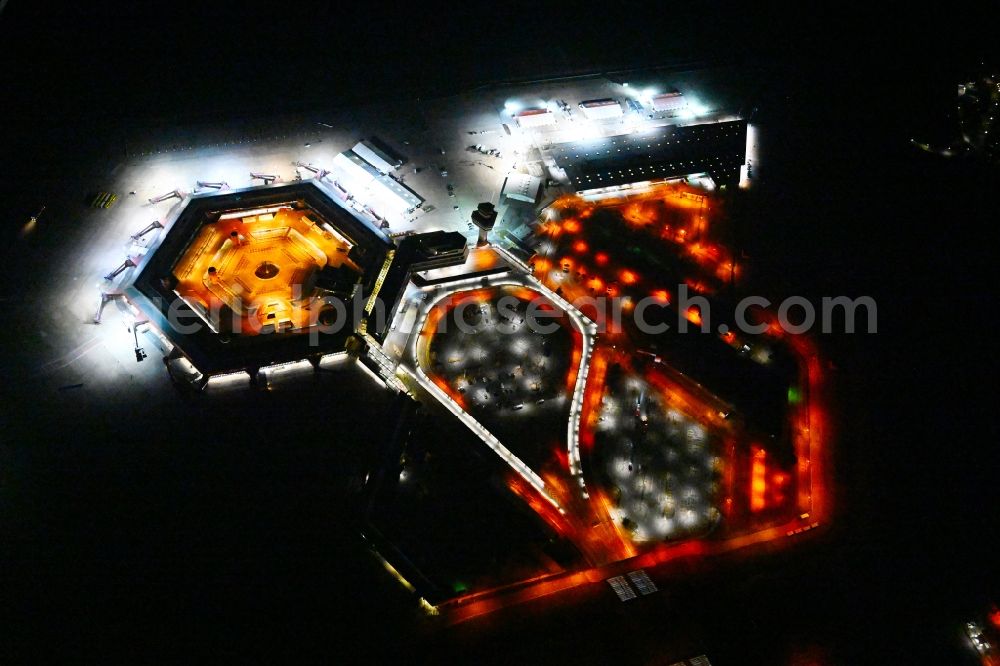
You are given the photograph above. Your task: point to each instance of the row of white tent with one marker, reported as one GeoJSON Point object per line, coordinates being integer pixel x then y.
{"type": "Point", "coordinates": [365, 173]}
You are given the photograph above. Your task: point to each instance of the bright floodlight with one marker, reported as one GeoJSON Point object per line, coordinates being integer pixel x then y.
{"type": "Point", "coordinates": [694, 108]}
{"type": "Point", "coordinates": [512, 106]}
{"type": "Point", "coordinates": [583, 131]}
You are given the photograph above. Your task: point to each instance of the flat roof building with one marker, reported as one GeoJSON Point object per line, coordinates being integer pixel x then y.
{"type": "Point", "coordinates": [535, 118]}
{"type": "Point", "coordinates": [671, 101]}
{"type": "Point", "coordinates": [419, 252]}
{"type": "Point", "coordinates": [718, 149]}
{"type": "Point", "coordinates": [435, 249]}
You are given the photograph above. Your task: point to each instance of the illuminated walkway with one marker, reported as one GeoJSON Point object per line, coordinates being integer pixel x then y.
{"type": "Point", "coordinates": [584, 326]}
{"type": "Point", "coordinates": [588, 332]}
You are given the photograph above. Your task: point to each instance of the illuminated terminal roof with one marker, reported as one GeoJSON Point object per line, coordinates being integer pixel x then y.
{"type": "Point", "coordinates": [239, 279]}
{"type": "Point", "coordinates": [718, 149]}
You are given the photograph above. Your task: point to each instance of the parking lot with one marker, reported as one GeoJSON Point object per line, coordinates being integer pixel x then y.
{"type": "Point", "coordinates": [506, 374]}
{"type": "Point", "coordinates": [659, 466]}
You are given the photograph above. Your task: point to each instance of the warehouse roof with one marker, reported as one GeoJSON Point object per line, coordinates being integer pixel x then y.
{"type": "Point", "coordinates": [718, 149]}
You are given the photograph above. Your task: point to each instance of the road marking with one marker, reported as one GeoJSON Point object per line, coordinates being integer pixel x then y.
{"type": "Point", "coordinates": [642, 582]}
{"type": "Point", "coordinates": [621, 588]}
{"type": "Point", "coordinates": [66, 359]}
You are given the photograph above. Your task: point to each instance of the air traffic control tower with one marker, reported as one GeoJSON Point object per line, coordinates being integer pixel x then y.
{"type": "Point", "coordinates": [484, 217]}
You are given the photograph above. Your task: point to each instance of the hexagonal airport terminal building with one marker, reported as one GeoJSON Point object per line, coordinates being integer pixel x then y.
{"type": "Point", "coordinates": [247, 278]}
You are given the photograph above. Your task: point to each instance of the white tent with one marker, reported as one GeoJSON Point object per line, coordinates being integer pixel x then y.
{"type": "Point", "coordinates": [522, 187]}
